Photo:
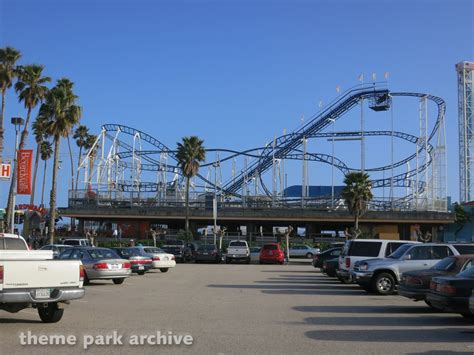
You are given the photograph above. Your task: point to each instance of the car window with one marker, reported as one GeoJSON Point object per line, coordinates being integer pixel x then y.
{"type": "Point", "coordinates": [464, 248]}
{"type": "Point", "coordinates": [441, 252]}
{"type": "Point", "coordinates": [419, 253]}
{"type": "Point", "coordinates": [103, 254]}
{"type": "Point", "coordinates": [76, 254]}
{"type": "Point", "coordinates": [445, 265]}
{"type": "Point", "coordinates": [400, 251]}
{"type": "Point", "coordinates": [12, 244]}
{"type": "Point", "coordinates": [370, 249]}
{"type": "Point", "coordinates": [467, 273]}
{"type": "Point", "coordinates": [467, 265]}
{"type": "Point", "coordinates": [392, 247]}
{"type": "Point", "coordinates": [270, 247]}
{"type": "Point", "coordinates": [237, 244]}
{"type": "Point", "coordinates": [335, 252]}
{"type": "Point", "coordinates": [65, 254]}
{"type": "Point", "coordinates": [47, 247]}
{"type": "Point", "coordinates": [153, 250]}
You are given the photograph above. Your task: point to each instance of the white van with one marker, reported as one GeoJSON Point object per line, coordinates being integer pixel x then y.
{"type": "Point", "coordinates": [362, 249]}
{"type": "Point", "coordinates": [81, 242]}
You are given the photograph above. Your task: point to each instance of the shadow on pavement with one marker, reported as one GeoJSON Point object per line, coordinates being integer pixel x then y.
{"type": "Point", "coordinates": [13, 320]}
{"type": "Point", "coordinates": [415, 335]}
{"type": "Point", "coordinates": [367, 309]}
{"type": "Point", "coordinates": [416, 321]}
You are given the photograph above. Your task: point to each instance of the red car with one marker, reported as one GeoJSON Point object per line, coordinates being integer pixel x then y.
{"type": "Point", "coordinates": [272, 253]}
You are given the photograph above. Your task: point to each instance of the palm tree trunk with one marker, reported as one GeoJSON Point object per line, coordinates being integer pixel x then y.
{"type": "Point", "coordinates": [356, 225]}
{"type": "Point", "coordinates": [2, 124]}
{"type": "Point", "coordinates": [72, 164]}
{"type": "Point", "coordinates": [186, 226]}
{"type": "Point", "coordinates": [78, 163]}
{"type": "Point", "coordinates": [52, 201]}
{"type": "Point", "coordinates": [44, 183]}
{"type": "Point", "coordinates": [35, 171]}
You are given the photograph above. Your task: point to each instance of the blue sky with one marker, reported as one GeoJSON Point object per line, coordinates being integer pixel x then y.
{"type": "Point", "coordinates": [236, 73]}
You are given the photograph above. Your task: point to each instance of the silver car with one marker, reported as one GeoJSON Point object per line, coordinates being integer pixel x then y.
{"type": "Point", "coordinates": [99, 263]}
{"type": "Point", "coordinates": [255, 254]}
{"type": "Point", "coordinates": [303, 251]}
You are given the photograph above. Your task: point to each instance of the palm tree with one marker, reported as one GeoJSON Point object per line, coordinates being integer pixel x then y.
{"type": "Point", "coordinates": [46, 150]}
{"type": "Point", "coordinates": [90, 140]}
{"type": "Point", "coordinates": [31, 91]}
{"type": "Point", "coordinates": [81, 136]}
{"type": "Point", "coordinates": [357, 194]}
{"type": "Point", "coordinates": [8, 58]}
{"type": "Point", "coordinates": [39, 131]}
{"type": "Point", "coordinates": [189, 155]}
{"type": "Point", "coordinates": [60, 113]}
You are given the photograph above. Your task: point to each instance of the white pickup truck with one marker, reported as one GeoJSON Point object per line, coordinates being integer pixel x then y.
{"type": "Point", "coordinates": [31, 278]}
{"type": "Point", "coordinates": [238, 250]}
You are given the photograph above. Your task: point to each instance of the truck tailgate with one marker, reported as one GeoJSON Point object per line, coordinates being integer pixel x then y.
{"type": "Point", "coordinates": [37, 274]}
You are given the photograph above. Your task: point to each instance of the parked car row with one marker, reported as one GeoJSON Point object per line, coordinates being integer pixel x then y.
{"type": "Point", "coordinates": [441, 275]}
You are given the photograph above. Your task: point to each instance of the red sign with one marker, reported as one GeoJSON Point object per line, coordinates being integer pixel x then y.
{"type": "Point", "coordinates": [29, 207]}
{"type": "Point", "coordinates": [25, 158]}
{"type": "Point", "coordinates": [5, 171]}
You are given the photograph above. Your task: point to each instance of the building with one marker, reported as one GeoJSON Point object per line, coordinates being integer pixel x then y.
{"type": "Point", "coordinates": [465, 73]}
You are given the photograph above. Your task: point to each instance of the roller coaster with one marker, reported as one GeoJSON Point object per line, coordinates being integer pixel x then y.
{"type": "Point", "coordinates": [126, 164]}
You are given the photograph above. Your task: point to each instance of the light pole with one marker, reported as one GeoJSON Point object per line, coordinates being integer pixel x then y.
{"type": "Point", "coordinates": [17, 122]}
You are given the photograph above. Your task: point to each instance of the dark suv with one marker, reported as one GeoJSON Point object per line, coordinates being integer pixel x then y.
{"type": "Point", "coordinates": [181, 251]}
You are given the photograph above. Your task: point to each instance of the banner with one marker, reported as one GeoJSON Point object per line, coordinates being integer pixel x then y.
{"type": "Point", "coordinates": [24, 160]}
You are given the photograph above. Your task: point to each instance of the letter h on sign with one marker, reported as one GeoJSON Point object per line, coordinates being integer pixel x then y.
{"type": "Point", "coordinates": [5, 171]}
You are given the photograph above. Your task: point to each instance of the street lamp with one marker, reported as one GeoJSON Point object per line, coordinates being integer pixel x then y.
{"type": "Point", "coordinates": [17, 122]}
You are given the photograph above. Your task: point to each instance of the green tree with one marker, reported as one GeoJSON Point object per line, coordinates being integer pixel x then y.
{"type": "Point", "coordinates": [461, 217]}
{"type": "Point", "coordinates": [41, 134]}
{"type": "Point", "coordinates": [8, 58]}
{"type": "Point", "coordinates": [190, 153]}
{"type": "Point", "coordinates": [81, 136]}
{"type": "Point", "coordinates": [31, 91]}
{"type": "Point", "coordinates": [46, 150]}
{"type": "Point", "coordinates": [61, 114]}
{"type": "Point", "coordinates": [357, 194]}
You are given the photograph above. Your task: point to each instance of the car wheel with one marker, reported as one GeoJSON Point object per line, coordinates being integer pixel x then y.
{"type": "Point", "coordinates": [248, 261]}
{"type": "Point", "coordinates": [309, 256]}
{"type": "Point", "coordinates": [346, 280]}
{"type": "Point", "coordinates": [51, 313]}
{"type": "Point", "coordinates": [86, 280]}
{"type": "Point", "coordinates": [282, 262]}
{"type": "Point", "coordinates": [384, 284]}
{"type": "Point", "coordinates": [164, 270]}
{"type": "Point", "coordinates": [141, 273]}
{"type": "Point", "coordinates": [431, 305]}
{"type": "Point", "coordinates": [227, 260]}
{"type": "Point", "coordinates": [119, 281]}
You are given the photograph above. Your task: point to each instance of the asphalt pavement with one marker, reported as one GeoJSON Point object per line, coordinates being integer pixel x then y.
{"type": "Point", "coordinates": [238, 309]}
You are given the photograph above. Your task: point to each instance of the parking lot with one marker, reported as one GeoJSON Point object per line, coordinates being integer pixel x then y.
{"type": "Point", "coordinates": [245, 309]}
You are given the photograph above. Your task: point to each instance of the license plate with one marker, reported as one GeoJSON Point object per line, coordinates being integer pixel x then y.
{"type": "Point", "coordinates": [165, 258]}
{"type": "Point", "coordinates": [43, 293]}
{"type": "Point", "coordinates": [205, 253]}
{"type": "Point", "coordinates": [141, 267]}
{"type": "Point", "coordinates": [115, 266]}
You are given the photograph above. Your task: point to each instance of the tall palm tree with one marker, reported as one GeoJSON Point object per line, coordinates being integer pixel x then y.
{"type": "Point", "coordinates": [61, 114]}
{"type": "Point", "coordinates": [40, 133]}
{"type": "Point", "coordinates": [357, 194]}
{"type": "Point", "coordinates": [81, 136]}
{"type": "Point", "coordinates": [46, 150]}
{"type": "Point", "coordinates": [190, 153]}
{"type": "Point", "coordinates": [8, 58]}
{"type": "Point", "coordinates": [31, 90]}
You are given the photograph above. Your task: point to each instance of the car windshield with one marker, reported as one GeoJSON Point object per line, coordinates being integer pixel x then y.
{"type": "Point", "coordinates": [255, 249]}
{"type": "Point", "coordinates": [103, 254]}
{"type": "Point", "coordinates": [445, 264]}
{"type": "Point", "coordinates": [206, 247]}
{"type": "Point", "coordinates": [62, 248]}
{"type": "Point", "coordinates": [469, 273]}
{"type": "Point", "coordinates": [153, 250]}
{"type": "Point", "coordinates": [238, 244]}
{"type": "Point", "coordinates": [400, 251]}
